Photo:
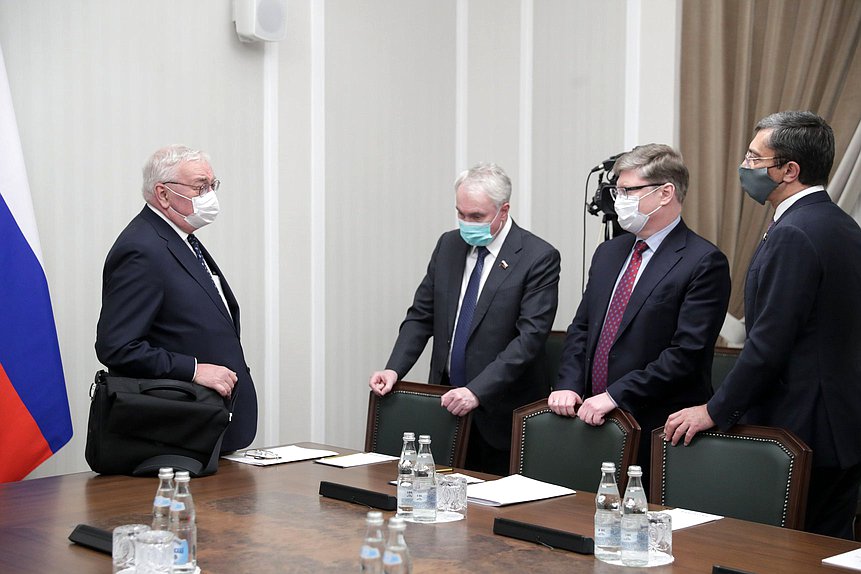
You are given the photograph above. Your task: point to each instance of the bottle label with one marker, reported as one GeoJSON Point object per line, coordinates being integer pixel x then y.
{"type": "Point", "coordinates": [420, 496]}
{"type": "Point", "coordinates": [180, 552]}
{"type": "Point", "coordinates": [177, 505]}
{"type": "Point", "coordinates": [392, 559]}
{"type": "Point", "coordinates": [161, 501]}
{"type": "Point", "coordinates": [370, 552]}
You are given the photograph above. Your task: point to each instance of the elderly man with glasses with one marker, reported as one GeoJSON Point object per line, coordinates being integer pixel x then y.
{"type": "Point", "coordinates": [643, 336]}
{"type": "Point", "coordinates": [167, 310]}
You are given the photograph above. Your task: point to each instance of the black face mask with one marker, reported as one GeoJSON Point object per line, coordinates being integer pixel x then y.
{"type": "Point", "coordinates": [756, 183]}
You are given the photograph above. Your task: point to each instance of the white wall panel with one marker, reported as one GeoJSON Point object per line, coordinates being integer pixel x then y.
{"type": "Point", "coordinates": [390, 112]}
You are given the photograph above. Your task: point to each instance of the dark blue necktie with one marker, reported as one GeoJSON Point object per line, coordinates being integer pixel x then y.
{"type": "Point", "coordinates": [195, 244]}
{"type": "Point", "coordinates": [457, 370]}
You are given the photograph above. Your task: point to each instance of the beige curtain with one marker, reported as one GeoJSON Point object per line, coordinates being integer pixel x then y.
{"type": "Point", "coordinates": [742, 60]}
{"type": "Point", "coordinates": [845, 186]}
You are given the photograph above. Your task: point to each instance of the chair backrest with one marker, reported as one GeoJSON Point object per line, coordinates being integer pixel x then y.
{"type": "Point", "coordinates": [751, 472]}
{"type": "Point", "coordinates": [553, 356]}
{"type": "Point", "coordinates": [723, 363]}
{"type": "Point", "coordinates": [416, 407]}
{"type": "Point", "coordinates": [568, 452]}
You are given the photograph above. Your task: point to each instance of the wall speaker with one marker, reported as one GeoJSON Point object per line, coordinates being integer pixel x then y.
{"type": "Point", "coordinates": [260, 20]}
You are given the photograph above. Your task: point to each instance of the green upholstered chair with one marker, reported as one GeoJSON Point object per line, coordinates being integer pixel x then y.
{"type": "Point", "coordinates": [553, 355]}
{"type": "Point", "coordinates": [415, 407]}
{"type": "Point", "coordinates": [568, 452]}
{"type": "Point", "coordinates": [751, 472]}
{"type": "Point", "coordinates": [723, 363]}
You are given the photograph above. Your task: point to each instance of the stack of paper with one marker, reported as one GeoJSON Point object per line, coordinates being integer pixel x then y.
{"type": "Point", "coordinates": [513, 489]}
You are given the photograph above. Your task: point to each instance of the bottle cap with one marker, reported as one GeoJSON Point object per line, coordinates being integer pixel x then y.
{"type": "Point", "coordinates": [165, 472]}
{"type": "Point", "coordinates": [397, 523]}
{"type": "Point", "coordinates": [409, 436]}
{"type": "Point", "coordinates": [635, 470]}
{"type": "Point", "coordinates": [181, 476]}
{"type": "Point", "coordinates": [375, 517]}
{"type": "Point", "coordinates": [608, 467]}
{"type": "Point", "coordinates": [424, 439]}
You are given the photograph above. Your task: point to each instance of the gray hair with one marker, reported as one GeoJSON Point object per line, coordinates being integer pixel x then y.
{"type": "Point", "coordinates": [163, 165]}
{"type": "Point", "coordinates": [802, 137]}
{"type": "Point", "coordinates": [488, 178]}
{"type": "Point", "coordinates": [658, 163]}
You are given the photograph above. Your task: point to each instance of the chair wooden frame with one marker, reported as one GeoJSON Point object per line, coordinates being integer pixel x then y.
{"type": "Point", "coordinates": [795, 501]}
{"type": "Point", "coordinates": [622, 419]}
{"type": "Point", "coordinates": [461, 432]}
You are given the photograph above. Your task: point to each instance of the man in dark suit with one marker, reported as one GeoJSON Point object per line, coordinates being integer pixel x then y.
{"type": "Point", "coordinates": [488, 300]}
{"type": "Point", "coordinates": [167, 311]}
{"type": "Point", "coordinates": [643, 336]}
{"type": "Point", "coordinates": [799, 368]}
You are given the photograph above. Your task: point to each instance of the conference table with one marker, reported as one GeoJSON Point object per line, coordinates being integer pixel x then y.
{"type": "Point", "coordinates": [272, 519]}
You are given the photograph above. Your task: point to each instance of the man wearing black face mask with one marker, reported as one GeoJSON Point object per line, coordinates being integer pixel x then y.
{"type": "Point", "coordinates": [167, 311]}
{"type": "Point", "coordinates": [799, 368]}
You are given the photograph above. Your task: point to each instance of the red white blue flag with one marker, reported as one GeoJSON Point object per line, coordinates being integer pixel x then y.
{"type": "Point", "coordinates": [34, 409]}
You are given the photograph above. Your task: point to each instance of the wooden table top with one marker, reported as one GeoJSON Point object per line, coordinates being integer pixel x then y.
{"type": "Point", "coordinates": [271, 519]}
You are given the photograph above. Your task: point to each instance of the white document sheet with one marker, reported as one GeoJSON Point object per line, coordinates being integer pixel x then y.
{"type": "Point", "coordinates": [850, 560]}
{"type": "Point", "coordinates": [358, 459]}
{"type": "Point", "coordinates": [684, 518]}
{"type": "Point", "coordinates": [513, 489]}
{"type": "Point", "coordinates": [291, 453]}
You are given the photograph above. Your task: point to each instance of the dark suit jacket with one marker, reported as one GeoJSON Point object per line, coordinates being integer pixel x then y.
{"type": "Point", "coordinates": [800, 368]}
{"type": "Point", "coordinates": [514, 314]}
{"type": "Point", "coordinates": [661, 358]}
{"type": "Point", "coordinates": [160, 311]}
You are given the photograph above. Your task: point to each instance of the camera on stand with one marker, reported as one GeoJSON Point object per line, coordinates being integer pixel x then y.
{"type": "Point", "coordinates": [602, 202]}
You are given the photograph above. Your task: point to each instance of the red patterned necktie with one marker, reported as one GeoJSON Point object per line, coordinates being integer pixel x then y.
{"type": "Point", "coordinates": [614, 318]}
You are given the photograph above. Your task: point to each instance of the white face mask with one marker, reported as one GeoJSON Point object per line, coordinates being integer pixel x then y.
{"type": "Point", "coordinates": [628, 209]}
{"type": "Point", "coordinates": [205, 208]}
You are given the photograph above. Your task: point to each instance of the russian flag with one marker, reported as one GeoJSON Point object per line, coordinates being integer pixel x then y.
{"type": "Point", "coordinates": [34, 409]}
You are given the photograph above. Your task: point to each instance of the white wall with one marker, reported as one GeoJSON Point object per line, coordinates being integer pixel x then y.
{"type": "Point", "coordinates": [379, 104]}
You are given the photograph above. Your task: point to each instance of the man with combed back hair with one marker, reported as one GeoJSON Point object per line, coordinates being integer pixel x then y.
{"type": "Point", "coordinates": [643, 336]}
{"type": "Point", "coordinates": [488, 300]}
{"type": "Point", "coordinates": [167, 310]}
{"type": "Point", "coordinates": [799, 368]}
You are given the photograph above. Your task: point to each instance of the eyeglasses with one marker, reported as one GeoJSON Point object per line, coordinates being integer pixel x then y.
{"type": "Point", "coordinates": [625, 192]}
{"type": "Point", "coordinates": [749, 159]}
{"type": "Point", "coordinates": [261, 454]}
{"type": "Point", "coordinates": [200, 189]}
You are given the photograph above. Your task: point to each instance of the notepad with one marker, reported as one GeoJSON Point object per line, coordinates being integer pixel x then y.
{"type": "Point", "coordinates": [513, 489]}
{"type": "Point", "coordinates": [358, 459]}
{"type": "Point", "coordinates": [291, 453]}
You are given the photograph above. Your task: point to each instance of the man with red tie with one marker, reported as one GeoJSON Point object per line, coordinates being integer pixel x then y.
{"type": "Point", "coordinates": [643, 336]}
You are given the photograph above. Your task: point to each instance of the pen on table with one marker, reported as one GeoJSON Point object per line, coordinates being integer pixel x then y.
{"type": "Point", "coordinates": [444, 469]}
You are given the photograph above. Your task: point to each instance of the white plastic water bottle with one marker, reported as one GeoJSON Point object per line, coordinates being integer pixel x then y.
{"type": "Point", "coordinates": [163, 496]}
{"type": "Point", "coordinates": [608, 515]}
{"type": "Point", "coordinates": [424, 483]}
{"type": "Point", "coordinates": [635, 523]}
{"type": "Point", "coordinates": [396, 559]}
{"type": "Point", "coordinates": [405, 476]}
{"type": "Point", "coordinates": [374, 546]}
{"type": "Point", "coordinates": [183, 525]}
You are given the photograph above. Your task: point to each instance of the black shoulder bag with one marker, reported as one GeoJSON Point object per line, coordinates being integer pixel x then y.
{"type": "Point", "coordinates": [137, 426]}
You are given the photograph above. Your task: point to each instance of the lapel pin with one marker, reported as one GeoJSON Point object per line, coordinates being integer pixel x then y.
{"type": "Point", "coordinates": [504, 264]}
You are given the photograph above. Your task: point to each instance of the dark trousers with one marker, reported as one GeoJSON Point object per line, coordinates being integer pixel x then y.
{"type": "Point", "coordinates": [482, 457]}
{"type": "Point", "coordinates": [832, 501]}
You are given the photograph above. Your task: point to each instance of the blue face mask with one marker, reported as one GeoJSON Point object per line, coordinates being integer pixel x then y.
{"type": "Point", "coordinates": [477, 234]}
